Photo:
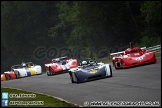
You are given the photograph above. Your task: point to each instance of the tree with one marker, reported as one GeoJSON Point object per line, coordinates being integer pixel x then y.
{"type": "Point", "coordinates": [151, 14]}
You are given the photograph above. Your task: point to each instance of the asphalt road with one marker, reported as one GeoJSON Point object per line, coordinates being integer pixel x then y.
{"type": "Point", "coordinates": [138, 84]}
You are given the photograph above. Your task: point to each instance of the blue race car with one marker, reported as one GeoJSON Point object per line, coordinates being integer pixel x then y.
{"type": "Point", "coordinates": [90, 69]}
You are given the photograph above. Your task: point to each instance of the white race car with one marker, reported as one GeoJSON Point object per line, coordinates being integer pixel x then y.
{"type": "Point", "coordinates": [26, 69]}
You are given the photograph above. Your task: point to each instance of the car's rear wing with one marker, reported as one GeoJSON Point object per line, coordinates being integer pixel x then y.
{"type": "Point", "coordinates": [122, 52]}
{"type": "Point", "coordinates": [30, 64]}
{"type": "Point", "coordinates": [63, 58]}
{"type": "Point", "coordinates": [16, 67]}
{"type": "Point", "coordinates": [117, 53]}
{"type": "Point", "coordinates": [143, 48]}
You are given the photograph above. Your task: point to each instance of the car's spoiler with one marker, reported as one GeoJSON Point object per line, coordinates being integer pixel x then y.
{"type": "Point", "coordinates": [122, 52]}
{"type": "Point", "coordinates": [60, 58]}
{"type": "Point", "coordinates": [65, 57]}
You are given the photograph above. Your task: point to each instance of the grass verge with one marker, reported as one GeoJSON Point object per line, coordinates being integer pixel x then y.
{"type": "Point", "coordinates": [44, 100]}
{"type": "Point", "coordinates": [158, 54]}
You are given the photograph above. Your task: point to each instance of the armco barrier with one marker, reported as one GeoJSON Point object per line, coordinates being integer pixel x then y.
{"type": "Point", "coordinates": [156, 48]}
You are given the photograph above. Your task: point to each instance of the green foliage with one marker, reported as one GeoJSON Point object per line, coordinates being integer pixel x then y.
{"type": "Point", "coordinates": [24, 27]}
{"type": "Point", "coordinates": [88, 28]}
{"type": "Point", "coordinates": [158, 54]}
{"type": "Point", "coordinates": [150, 41]}
{"type": "Point", "coordinates": [151, 14]}
{"type": "Point", "coordinates": [152, 11]}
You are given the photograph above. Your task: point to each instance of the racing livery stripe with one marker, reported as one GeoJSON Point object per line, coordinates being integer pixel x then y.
{"type": "Point", "coordinates": [63, 67]}
{"type": "Point", "coordinates": [67, 67]}
{"type": "Point", "coordinates": [28, 72]}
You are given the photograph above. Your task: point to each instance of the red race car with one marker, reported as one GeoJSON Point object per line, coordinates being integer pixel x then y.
{"type": "Point", "coordinates": [60, 65]}
{"type": "Point", "coordinates": [8, 75]}
{"type": "Point", "coordinates": [132, 57]}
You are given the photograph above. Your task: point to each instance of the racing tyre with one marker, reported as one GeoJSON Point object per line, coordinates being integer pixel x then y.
{"type": "Point", "coordinates": [77, 81]}
{"type": "Point", "coordinates": [116, 67]}
{"type": "Point", "coordinates": [74, 79]}
{"type": "Point", "coordinates": [110, 70]}
{"type": "Point", "coordinates": [17, 74]}
{"type": "Point", "coordinates": [71, 79]}
{"type": "Point", "coordinates": [8, 77]}
{"type": "Point", "coordinates": [48, 73]}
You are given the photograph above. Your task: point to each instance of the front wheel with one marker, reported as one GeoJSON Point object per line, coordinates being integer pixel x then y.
{"type": "Point", "coordinates": [49, 73]}
{"type": "Point", "coordinates": [74, 78]}
{"type": "Point", "coordinates": [110, 70]}
{"type": "Point", "coordinates": [8, 77]}
{"type": "Point", "coordinates": [116, 67]}
{"type": "Point", "coordinates": [17, 74]}
{"type": "Point", "coordinates": [71, 78]}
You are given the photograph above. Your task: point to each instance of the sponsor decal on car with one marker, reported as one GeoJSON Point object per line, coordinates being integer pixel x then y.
{"type": "Point", "coordinates": [93, 71]}
{"type": "Point", "coordinates": [139, 58]}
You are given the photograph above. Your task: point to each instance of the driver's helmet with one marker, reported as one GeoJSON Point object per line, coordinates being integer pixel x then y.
{"type": "Point", "coordinates": [57, 59]}
{"type": "Point", "coordinates": [91, 62]}
{"type": "Point", "coordinates": [84, 63]}
{"type": "Point", "coordinates": [23, 64]}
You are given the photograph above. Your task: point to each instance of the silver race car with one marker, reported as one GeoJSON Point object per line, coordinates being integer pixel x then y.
{"type": "Point", "coordinates": [90, 69]}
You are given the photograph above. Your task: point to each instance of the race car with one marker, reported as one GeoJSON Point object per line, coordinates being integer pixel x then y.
{"type": "Point", "coordinates": [8, 75]}
{"type": "Point", "coordinates": [133, 56]}
{"type": "Point", "coordinates": [3, 77]}
{"type": "Point", "coordinates": [26, 69]}
{"type": "Point", "coordinates": [60, 65]}
{"type": "Point", "coordinates": [89, 70]}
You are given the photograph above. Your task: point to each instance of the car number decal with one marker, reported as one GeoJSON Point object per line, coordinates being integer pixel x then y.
{"type": "Point", "coordinates": [139, 58]}
{"type": "Point", "coordinates": [93, 71]}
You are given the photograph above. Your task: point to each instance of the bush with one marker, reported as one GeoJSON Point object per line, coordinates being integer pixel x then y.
{"type": "Point", "coordinates": [150, 41]}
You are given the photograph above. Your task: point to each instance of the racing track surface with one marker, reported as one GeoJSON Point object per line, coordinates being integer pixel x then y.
{"type": "Point", "coordinates": [136, 84]}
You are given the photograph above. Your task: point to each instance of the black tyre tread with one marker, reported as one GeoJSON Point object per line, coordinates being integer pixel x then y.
{"type": "Point", "coordinates": [17, 74]}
